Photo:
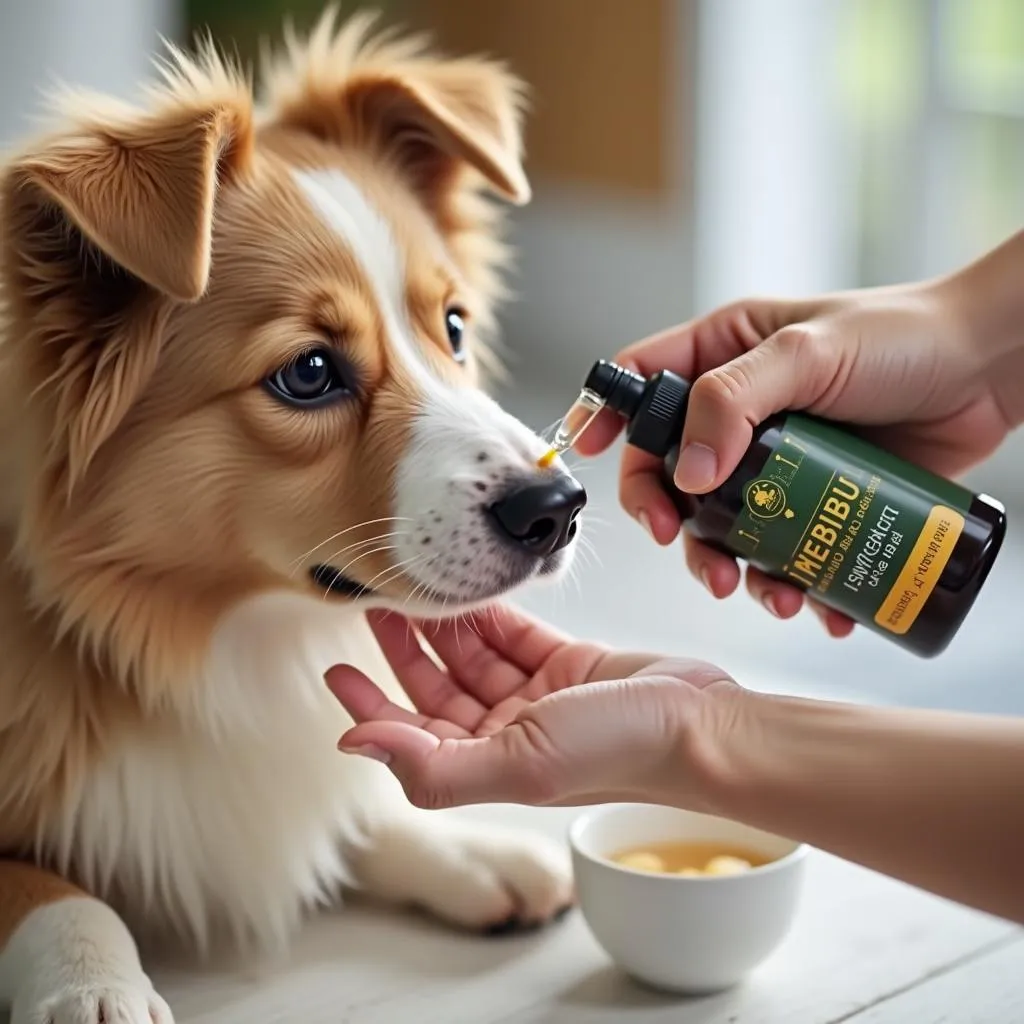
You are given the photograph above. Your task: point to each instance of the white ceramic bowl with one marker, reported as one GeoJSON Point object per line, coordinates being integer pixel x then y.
{"type": "Point", "coordinates": [674, 932]}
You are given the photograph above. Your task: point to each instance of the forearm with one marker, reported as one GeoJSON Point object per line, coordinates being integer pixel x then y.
{"type": "Point", "coordinates": [934, 799]}
{"type": "Point", "coordinates": [988, 297]}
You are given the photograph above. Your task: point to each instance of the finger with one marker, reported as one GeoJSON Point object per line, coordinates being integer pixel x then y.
{"type": "Point", "coordinates": [519, 638]}
{"type": "Point", "coordinates": [642, 495]}
{"type": "Point", "coordinates": [507, 711]}
{"type": "Point", "coordinates": [429, 687]}
{"type": "Point", "coordinates": [404, 747]}
{"type": "Point", "coordinates": [673, 349]}
{"type": "Point", "coordinates": [717, 571]}
{"type": "Point", "coordinates": [781, 599]}
{"type": "Point", "coordinates": [681, 349]}
{"type": "Point", "coordinates": [690, 348]}
{"type": "Point", "coordinates": [485, 674]}
{"type": "Point", "coordinates": [836, 624]}
{"type": "Point", "coordinates": [694, 347]}
{"type": "Point", "coordinates": [791, 370]}
{"type": "Point", "coordinates": [366, 702]}
{"type": "Point", "coordinates": [455, 773]}
{"type": "Point", "coordinates": [705, 342]}
{"type": "Point", "coordinates": [363, 699]}
{"type": "Point", "coordinates": [600, 435]}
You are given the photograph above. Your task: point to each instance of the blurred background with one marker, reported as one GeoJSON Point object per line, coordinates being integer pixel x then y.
{"type": "Point", "coordinates": [685, 153]}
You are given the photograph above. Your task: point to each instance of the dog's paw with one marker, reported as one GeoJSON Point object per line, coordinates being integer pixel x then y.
{"type": "Point", "coordinates": [503, 882]}
{"type": "Point", "coordinates": [73, 961]}
{"type": "Point", "coordinates": [472, 876]}
{"type": "Point", "coordinates": [95, 1002]}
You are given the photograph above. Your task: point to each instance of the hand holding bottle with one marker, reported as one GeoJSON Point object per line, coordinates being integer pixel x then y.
{"type": "Point", "coordinates": [928, 372]}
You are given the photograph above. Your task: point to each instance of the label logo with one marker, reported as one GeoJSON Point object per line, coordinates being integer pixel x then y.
{"type": "Point", "coordinates": [765, 499]}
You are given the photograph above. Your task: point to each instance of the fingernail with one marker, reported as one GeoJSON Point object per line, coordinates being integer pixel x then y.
{"type": "Point", "coordinates": [705, 578]}
{"type": "Point", "coordinates": [645, 521]}
{"type": "Point", "coordinates": [696, 468]}
{"type": "Point", "coordinates": [367, 750]}
{"type": "Point", "coordinates": [769, 602]}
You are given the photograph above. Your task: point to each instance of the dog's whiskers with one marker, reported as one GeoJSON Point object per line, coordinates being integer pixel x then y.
{"type": "Point", "coordinates": [587, 547]}
{"type": "Point", "coordinates": [497, 622]}
{"type": "Point", "coordinates": [348, 529]}
{"type": "Point", "coordinates": [339, 574]}
{"type": "Point", "coordinates": [420, 588]}
{"type": "Point", "coordinates": [394, 570]}
{"type": "Point", "coordinates": [368, 542]}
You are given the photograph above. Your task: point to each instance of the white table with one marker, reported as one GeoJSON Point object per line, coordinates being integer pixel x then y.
{"type": "Point", "coordinates": [864, 950]}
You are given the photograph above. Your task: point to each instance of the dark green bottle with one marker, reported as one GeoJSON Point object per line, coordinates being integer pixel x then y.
{"type": "Point", "coordinates": [896, 548]}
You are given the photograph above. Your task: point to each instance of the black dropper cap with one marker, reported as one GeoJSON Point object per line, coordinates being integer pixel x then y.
{"type": "Point", "coordinates": [654, 408]}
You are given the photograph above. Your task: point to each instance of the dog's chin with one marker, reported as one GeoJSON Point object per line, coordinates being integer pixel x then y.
{"type": "Point", "coordinates": [425, 600]}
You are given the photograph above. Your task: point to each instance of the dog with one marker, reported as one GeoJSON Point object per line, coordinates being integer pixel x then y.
{"type": "Point", "coordinates": [245, 341]}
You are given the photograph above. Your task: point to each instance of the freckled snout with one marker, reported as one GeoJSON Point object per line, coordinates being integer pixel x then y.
{"type": "Point", "coordinates": [540, 516]}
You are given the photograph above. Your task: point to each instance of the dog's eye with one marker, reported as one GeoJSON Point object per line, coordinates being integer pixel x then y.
{"type": "Point", "coordinates": [311, 379]}
{"type": "Point", "coordinates": [455, 324]}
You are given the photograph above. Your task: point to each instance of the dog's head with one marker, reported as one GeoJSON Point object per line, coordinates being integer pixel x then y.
{"type": "Point", "coordinates": [243, 350]}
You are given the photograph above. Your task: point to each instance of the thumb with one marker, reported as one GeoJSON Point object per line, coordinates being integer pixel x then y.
{"type": "Point", "coordinates": [437, 773]}
{"type": "Point", "coordinates": [790, 370]}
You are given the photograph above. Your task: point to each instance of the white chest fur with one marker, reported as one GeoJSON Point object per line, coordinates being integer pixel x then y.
{"type": "Point", "coordinates": [232, 813]}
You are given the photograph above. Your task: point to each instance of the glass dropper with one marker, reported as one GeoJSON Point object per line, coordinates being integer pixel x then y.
{"type": "Point", "coordinates": [561, 436]}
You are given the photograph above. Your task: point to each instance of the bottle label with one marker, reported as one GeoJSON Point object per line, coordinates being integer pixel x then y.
{"type": "Point", "coordinates": [864, 532]}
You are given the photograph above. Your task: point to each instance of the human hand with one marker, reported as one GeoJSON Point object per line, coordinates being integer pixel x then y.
{"type": "Point", "coordinates": [518, 713]}
{"type": "Point", "coordinates": [897, 362]}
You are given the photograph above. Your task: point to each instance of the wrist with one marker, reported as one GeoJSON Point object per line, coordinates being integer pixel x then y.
{"type": "Point", "coordinates": [713, 750]}
{"type": "Point", "coordinates": [757, 757]}
{"type": "Point", "coordinates": [985, 302]}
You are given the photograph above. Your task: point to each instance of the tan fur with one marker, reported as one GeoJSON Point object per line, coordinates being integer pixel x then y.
{"type": "Point", "coordinates": [145, 487]}
{"type": "Point", "coordinates": [24, 888]}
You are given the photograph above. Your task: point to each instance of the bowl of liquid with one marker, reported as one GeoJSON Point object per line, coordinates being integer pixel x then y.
{"type": "Point", "coordinates": [682, 901]}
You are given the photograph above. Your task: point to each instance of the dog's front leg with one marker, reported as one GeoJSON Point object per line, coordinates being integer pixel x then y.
{"type": "Point", "coordinates": [66, 958]}
{"type": "Point", "coordinates": [471, 874]}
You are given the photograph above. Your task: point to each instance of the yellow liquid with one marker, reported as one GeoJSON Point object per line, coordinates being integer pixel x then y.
{"type": "Point", "coordinates": [690, 859]}
{"type": "Point", "coordinates": [547, 458]}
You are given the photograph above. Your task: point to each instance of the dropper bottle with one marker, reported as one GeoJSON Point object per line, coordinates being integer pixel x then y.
{"type": "Point", "coordinates": [896, 548]}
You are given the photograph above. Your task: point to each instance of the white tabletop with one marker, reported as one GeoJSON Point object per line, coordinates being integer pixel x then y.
{"type": "Point", "coordinates": [864, 949]}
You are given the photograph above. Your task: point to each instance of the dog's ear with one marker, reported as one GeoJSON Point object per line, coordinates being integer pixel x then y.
{"type": "Point", "coordinates": [140, 190]}
{"type": "Point", "coordinates": [433, 117]}
{"type": "Point", "coordinates": [106, 225]}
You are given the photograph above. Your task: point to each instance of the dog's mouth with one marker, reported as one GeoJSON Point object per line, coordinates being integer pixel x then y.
{"type": "Point", "coordinates": [331, 581]}
{"type": "Point", "coordinates": [334, 582]}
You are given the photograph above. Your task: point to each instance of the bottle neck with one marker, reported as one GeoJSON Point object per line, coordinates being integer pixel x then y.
{"type": "Point", "coordinates": [656, 424]}
{"type": "Point", "coordinates": [620, 389]}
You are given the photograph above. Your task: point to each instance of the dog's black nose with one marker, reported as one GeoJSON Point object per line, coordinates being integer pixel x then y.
{"type": "Point", "coordinates": [541, 516]}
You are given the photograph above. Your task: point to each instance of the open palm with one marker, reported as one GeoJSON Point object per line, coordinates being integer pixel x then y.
{"type": "Point", "coordinates": [493, 665]}
{"type": "Point", "coordinates": [512, 710]}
